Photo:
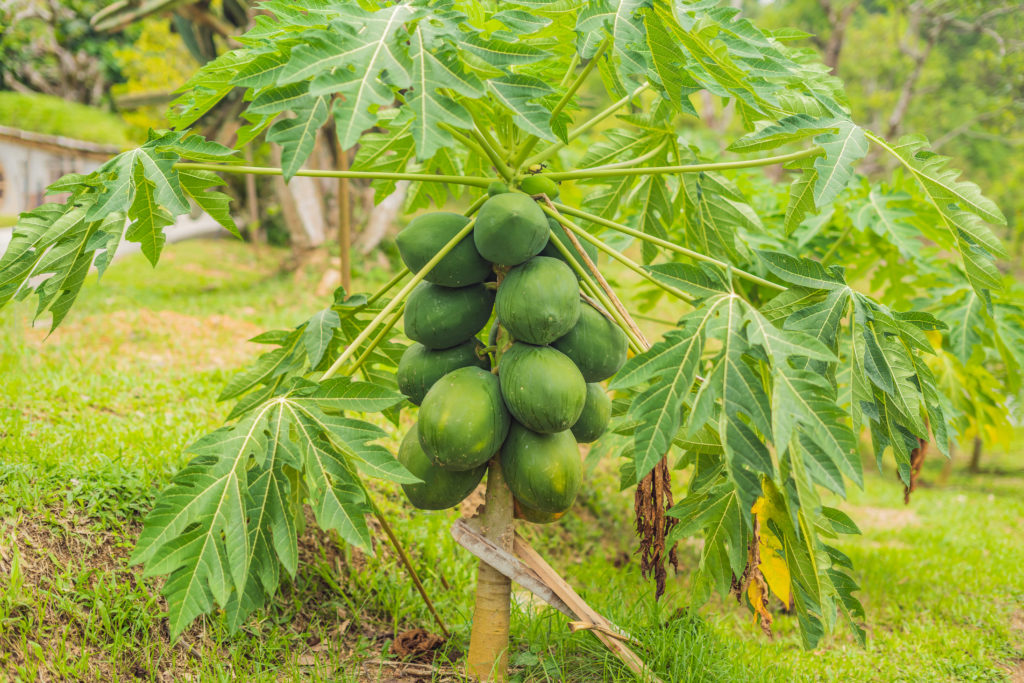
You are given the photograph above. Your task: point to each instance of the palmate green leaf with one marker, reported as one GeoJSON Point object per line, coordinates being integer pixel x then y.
{"type": "Point", "coordinates": [435, 69]}
{"type": "Point", "coordinates": [843, 149]}
{"type": "Point", "coordinates": [288, 357]}
{"type": "Point", "coordinates": [733, 398]}
{"type": "Point", "coordinates": [500, 53]}
{"type": "Point", "coordinates": [197, 532]}
{"type": "Point", "coordinates": [717, 514]}
{"type": "Point", "coordinates": [666, 63]}
{"type": "Point", "coordinates": [521, 21]}
{"type": "Point", "coordinates": [879, 215]}
{"type": "Point", "coordinates": [520, 94]}
{"type": "Point", "coordinates": [228, 520]}
{"type": "Point", "coordinates": [318, 334]}
{"type": "Point", "coordinates": [806, 398]}
{"type": "Point", "coordinates": [622, 22]}
{"type": "Point", "coordinates": [148, 218]}
{"type": "Point", "coordinates": [342, 393]}
{"type": "Point", "coordinates": [297, 135]}
{"type": "Point", "coordinates": [699, 280]}
{"type": "Point", "coordinates": [961, 205]}
{"type": "Point", "coordinates": [801, 198]}
{"type": "Point", "coordinates": [802, 272]}
{"type": "Point", "coordinates": [658, 410]}
{"type": "Point", "coordinates": [208, 86]}
{"type": "Point", "coordinates": [359, 57]}
{"type": "Point", "coordinates": [712, 213]}
{"type": "Point", "coordinates": [770, 135]}
{"type": "Point", "coordinates": [217, 205]}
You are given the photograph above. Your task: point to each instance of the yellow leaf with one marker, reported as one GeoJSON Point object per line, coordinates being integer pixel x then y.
{"type": "Point", "coordinates": [773, 563]}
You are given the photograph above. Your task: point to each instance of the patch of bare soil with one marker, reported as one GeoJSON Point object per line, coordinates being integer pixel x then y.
{"type": "Point", "coordinates": [1015, 671]}
{"type": "Point", "coordinates": [381, 671]}
{"type": "Point", "coordinates": [161, 338]}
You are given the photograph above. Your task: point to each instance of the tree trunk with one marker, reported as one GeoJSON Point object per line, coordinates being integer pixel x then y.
{"type": "Point", "coordinates": [838, 20]}
{"type": "Point", "coordinates": [919, 57]}
{"type": "Point", "coordinates": [382, 217]}
{"type": "Point", "coordinates": [488, 642]}
{"type": "Point", "coordinates": [344, 220]}
{"type": "Point", "coordinates": [947, 467]}
{"type": "Point", "coordinates": [298, 237]}
{"type": "Point", "coordinates": [975, 466]}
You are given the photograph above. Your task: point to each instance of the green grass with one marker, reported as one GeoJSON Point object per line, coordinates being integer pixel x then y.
{"type": "Point", "coordinates": [51, 115]}
{"type": "Point", "coordinates": [93, 421]}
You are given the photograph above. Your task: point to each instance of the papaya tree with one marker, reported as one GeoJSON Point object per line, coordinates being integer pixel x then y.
{"type": "Point", "coordinates": [778, 359]}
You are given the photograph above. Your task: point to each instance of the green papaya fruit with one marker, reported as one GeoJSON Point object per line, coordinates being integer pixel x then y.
{"type": "Point", "coordinates": [420, 241]}
{"type": "Point", "coordinates": [539, 301]}
{"type": "Point", "coordinates": [440, 488]}
{"type": "Point", "coordinates": [535, 516]}
{"type": "Point", "coordinates": [496, 188]}
{"type": "Point", "coordinates": [541, 387]}
{"type": "Point", "coordinates": [442, 317]}
{"type": "Point", "coordinates": [420, 367]}
{"type": "Point", "coordinates": [595, 344]}
{"type": "Point", "coordinates": [539, 184]}
{"type": "Point", "coordinates": [551, 250]}
{"type": "Point", "coordinates": [510, 228]}
{"type": "Point", "coordinates": [596, 412]}
{"type": "Point", "coordinates": [463, 420]}
{"type": "Point", "coordinates": [543, 471]}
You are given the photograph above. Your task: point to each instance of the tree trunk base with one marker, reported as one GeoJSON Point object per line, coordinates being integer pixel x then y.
{"type": "Point", "coordinates": [488, 642]}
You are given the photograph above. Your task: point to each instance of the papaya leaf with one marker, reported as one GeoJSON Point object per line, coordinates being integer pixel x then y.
{"type": "Point", "coordinates": [843, 149]}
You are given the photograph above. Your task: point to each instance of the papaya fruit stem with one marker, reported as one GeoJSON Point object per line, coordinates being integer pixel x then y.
{"type": "Point", "coordinates": [475, 206]}
{"type": "Point", "coordinates": [492, 613]}
{"type": "Point", "coordinates": [588, 286]}
{"type": "Point", "coordinates": [376, 341]}
{"type": "Point", "coordinates": [463, 138]}
{"type": "Point", "coordinates": [371, 327]}
{"type": "Point", "coordinates": [569, 229]}
{"type": "Point", "coordinates": [490, 148]}
{"type": "Point", "coordinates": [388, 286]}
{"type": "Point", "coordinates": [695, 255]}
{"type": "Point", "coordinates": [472, 181]}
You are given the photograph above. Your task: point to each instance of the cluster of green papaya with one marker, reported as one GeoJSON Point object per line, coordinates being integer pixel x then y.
{"type": "Point", "coordinates": [544, 397]}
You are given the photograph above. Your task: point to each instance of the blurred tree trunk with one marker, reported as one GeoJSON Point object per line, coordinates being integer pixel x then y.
{"type": "Point", "coordinates": [380, 218]}
{"type": "Point", "coordinates": [838, 19]}
{"type": "Point", "coordinates": [975, 466]}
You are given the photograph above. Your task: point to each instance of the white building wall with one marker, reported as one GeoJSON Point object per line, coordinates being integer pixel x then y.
{"type": "Point", "coordinates": [28, 170]}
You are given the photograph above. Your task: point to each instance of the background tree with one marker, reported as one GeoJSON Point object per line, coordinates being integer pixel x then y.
{"type": "Point", "coordinates": [951, 69]}
{"type": "Point", "coordinates": [50, 47]}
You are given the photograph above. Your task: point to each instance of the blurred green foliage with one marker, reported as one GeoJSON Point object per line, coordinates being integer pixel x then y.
{"type": "Point", "coordinates": [958, 63]}
{"type": "Point", "coordinates": [53, 116]}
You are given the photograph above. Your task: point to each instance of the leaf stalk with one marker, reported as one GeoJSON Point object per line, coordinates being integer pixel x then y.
{"type": "Point", "coordinates": [472, 181]}
{"type": "Point", "coordinates": [587, 173]}
{"type": "Point", "coordinates": [371, 327]}
{"type": "Point", "coordinates": [695, 255]}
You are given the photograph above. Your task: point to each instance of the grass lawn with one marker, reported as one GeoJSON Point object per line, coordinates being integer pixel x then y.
{"type": "Point", "coordinates": [93, 421]}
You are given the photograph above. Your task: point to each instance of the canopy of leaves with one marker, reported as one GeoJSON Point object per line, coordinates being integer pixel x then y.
{"type": "Point", "coordinates": [762, 388]}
